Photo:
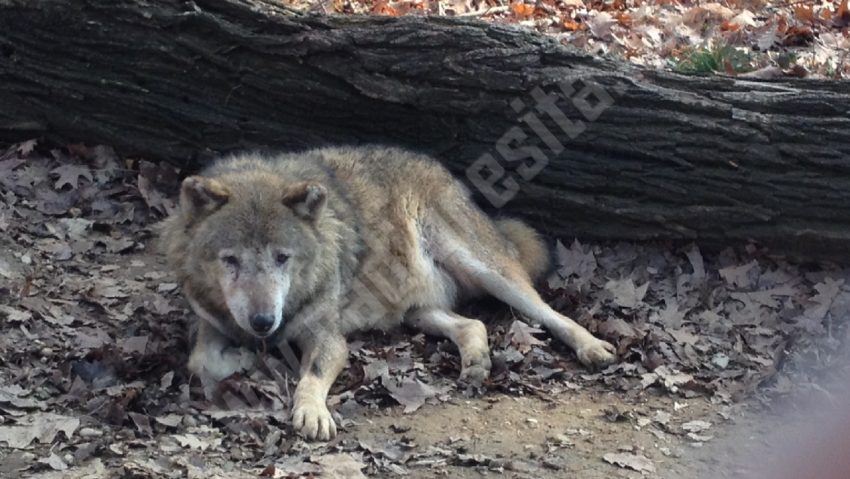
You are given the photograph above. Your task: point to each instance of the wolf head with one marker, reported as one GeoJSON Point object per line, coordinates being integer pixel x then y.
{"type": "Point", "coordinates": [253, 240]}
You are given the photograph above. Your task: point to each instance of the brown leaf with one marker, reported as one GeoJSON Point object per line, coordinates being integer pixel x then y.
{"type": "Point", "coordinates": [575, 261]}
{"type": "Point", "coordinates": [625, 293]}
{"type": "Point", "coordinates": [55, 462]}
{"type": "Point", "coordinates": [798, 37]}
{"type": "Point", "coordinates": [741, 276]}
{"type": "Point", "coordinates": [79, 150]}
{"type": "Point", "coordinates": [16, 396]}
{"type": "Point", "coordinates": [171, 420]}
{"type": "Point", "coordinates": [200, 443]}
{"type": "Point", "coordinates": [600, 25]}
{"type": "Point", "coordinates": [135, 345]}
{"type": "Point", "coordinates": [821, 302]}
{"type": "Point", "coordinates": [683, 336]}
{"type": "Point", "coordinates": [153, 198]}
{"type": "Point", "coordinates": [39, 426]}
{"type": "Point", "coordinates": [70, 174]}
{"type": "Point", "coordinates": [767, 73]}
{"type": "Point", "coordinates": [521, 336]}
{"type": "Point", "coordinates": [382, 7]}
{"type": "Point", "coordinates": [294, 466]}
{"type": "Point", "coordinates": [268, 471]}
{"type": "Point", "coordinates": [617, 328]}
{"type": "Point", "coordinates": [697, 263]}
{"type": "Point", "coordinates": [522, 10]}
{"type": "Point", "coordinates": [729, 26]}
{"type": "Point", "coordinates": [572, 25]}
{"type": "Point", "coordinates": [767, 36]}
{"type": "Point", "coordinates": [340, 466]}
{"type": "Point", "coordinates": [90, 338]}
{"type": "Point", "coordinates": [637, 462]}
{"type": "Point", "coordinates": [729, 68]}
{"type": "Point", "coordinates": [13, 315]}
{"type": "Point", "coordinates": [841, 18]}
{"type": "Point", "coordinates": [55, 203]}
{"type": "Point", "coordinates": [804, 13]}
{"type": "Point", "coordinates": [412, 393]}
{"type": "Point", "coordinates": [142, 422]}
{"type": "Point", "coordinates": [26, 147]}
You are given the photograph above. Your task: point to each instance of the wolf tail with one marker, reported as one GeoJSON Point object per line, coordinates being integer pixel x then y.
{"type": "Point", "coordinates": [534, 256]}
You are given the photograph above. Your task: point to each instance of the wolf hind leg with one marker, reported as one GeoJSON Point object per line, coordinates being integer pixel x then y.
{"type": "Point", "coordinates": [479, 257]}
{"type": "Point", "coordinates": [505, 278]}
{"type": "Point", "coordinates": [514, 288]}
{"type": "Point", "coordinates": [468, 334]}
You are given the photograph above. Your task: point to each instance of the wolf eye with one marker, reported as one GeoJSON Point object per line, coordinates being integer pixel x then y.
{"type": "Point", "coordinates": [281, 258]}
{"type": "Point", "coordinates": [230, 260]}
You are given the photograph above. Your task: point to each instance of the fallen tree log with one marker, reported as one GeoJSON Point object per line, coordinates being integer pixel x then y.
{"type": "Point", "coordinates": [580, 146]}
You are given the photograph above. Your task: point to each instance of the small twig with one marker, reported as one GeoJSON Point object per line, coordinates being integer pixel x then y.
{"type": "Point", "coordinates": [481, 13]}
{"type": "Point", "coordinates": [794, 4]}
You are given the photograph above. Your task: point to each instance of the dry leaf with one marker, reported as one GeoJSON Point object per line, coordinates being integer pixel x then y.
{"type": "Point", "coordinates": [571, 26]}
{"type": "Point", "coordinates": [382, 7]}
{"type": "Point", "coordinates": [340, 466]}
{"type": "Point", "coordinates": [617, 328]}
{"type": "Point", "coordinates": [170, 420]}
{"type": "Point", "coordinates": [767, 73]}
{"type": "Point", "coordinates": [192, 441]}
{"type": "Point", "coordinates": [522, 10]}
{"type": "Point", "coordinates": [804, 13]}
{"type": "Point", "coordinates": [14, 315]}
{"type": "Point", "coordinates": [696, 426]}
{"type": "Point", "coordinates": [742, 276]}
{"type": "Point", "coordinates": [742, 20]}
{"type": "Point", "coordinates": [288, 467]}
{"type": "Point", "coordinates": [768, 36]}
{"type": "Point", "coordinates": [521, 336]}
{"type": "Point", "coordinates": [600, 25]}
{"type": "Point", "coordinates": [55, 462]}
{"type": "Point", "coordinates": [625, 293]}
{"type": "Point", "coordinates": [841, 18]}
{"type": "Point", "coordinates": [26, 147]}
{"type": "Point", "coordinates": [70, 174]}
{"type": "Point", "coordinates": [39, 426]}
{"type": "Point", "coordinates": [412, 393]}
{"type": "Point", "coordinates": [637, 462]}
{"type": "Point", "coordinates": [575, 261]}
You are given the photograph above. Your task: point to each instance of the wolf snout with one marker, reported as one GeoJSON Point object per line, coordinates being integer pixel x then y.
{"type": "Point", "coordinates": [262, 323]}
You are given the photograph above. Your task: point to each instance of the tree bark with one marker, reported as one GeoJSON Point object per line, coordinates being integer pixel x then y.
{"type": "Point", "coordinates": [629, 154]}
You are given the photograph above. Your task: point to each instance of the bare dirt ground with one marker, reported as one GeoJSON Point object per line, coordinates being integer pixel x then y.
{"type": "Point", "coordinates": [720, 351]}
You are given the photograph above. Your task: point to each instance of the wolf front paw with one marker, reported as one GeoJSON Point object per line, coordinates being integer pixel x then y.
{"type": "Point", "coordinates": [313, 420]}
{"type": "Point", "coordinates": [475, 370]}
{"type": "Point", "coordinates": [596, 353]}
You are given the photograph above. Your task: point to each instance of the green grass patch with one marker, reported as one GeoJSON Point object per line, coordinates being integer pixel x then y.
{"type": "Point", "coordinates": [714, 59]}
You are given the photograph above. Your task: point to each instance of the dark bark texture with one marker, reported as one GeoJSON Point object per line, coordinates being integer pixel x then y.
{"type": "Point", "coordinates": [594, 148]}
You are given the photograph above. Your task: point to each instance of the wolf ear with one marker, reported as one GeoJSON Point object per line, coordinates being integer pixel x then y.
{"type": "Point", "coordinates": [306, 199]}
{"type": "Point", "coordinates": [199, 195]}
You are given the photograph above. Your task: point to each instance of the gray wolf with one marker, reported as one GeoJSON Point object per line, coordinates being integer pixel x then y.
{"type": "Point", "coordinates": [309, 247]}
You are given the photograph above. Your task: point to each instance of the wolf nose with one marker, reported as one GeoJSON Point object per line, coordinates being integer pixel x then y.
{"type": "Point", "coordinates": [262, 323]}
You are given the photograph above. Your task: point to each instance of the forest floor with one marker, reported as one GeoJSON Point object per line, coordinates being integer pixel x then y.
{"type": "Point", "coordinates": [723, 354]}
{"type": "Point", "coordinates": [748, 38]}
